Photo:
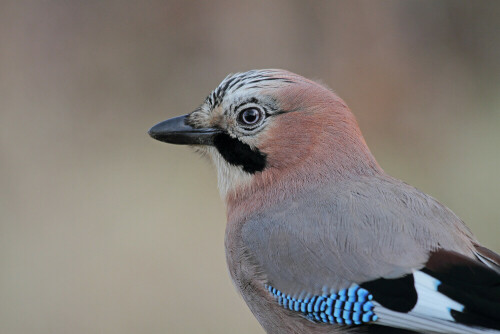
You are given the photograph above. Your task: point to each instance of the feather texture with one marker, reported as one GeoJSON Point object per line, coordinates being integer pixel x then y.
{"type": "Point", "coordinates": [433, 312]}
{"type": "Point", "coordinates": [321, 241]}
{"type": "Point", "coordinates": [351, 306]}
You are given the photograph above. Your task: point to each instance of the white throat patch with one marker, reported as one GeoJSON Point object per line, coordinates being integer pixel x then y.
{"type": "Point", "coordinates": [228, 176]}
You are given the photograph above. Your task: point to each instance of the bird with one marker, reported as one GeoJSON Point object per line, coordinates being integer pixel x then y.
{"type": "Point", "coordinates": [319, 239]}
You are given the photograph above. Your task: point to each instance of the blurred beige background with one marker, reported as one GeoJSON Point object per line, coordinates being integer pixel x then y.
{"type": "Point", "coordinates": [103, 230]}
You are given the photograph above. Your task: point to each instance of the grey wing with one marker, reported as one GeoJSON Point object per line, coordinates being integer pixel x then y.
{"type": "Point", "coordinates": [327, 239]}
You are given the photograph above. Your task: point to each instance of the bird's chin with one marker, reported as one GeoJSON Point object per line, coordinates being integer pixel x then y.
{"type": "Point", "coordinates": [229, 176]}
{"type": "Point", "coordinates": [202, 150]}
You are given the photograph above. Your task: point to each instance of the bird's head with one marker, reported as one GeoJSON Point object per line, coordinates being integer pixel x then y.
{"type": "Point", "coordinates": [262, 125]}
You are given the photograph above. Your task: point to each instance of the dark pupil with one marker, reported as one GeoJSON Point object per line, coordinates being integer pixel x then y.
{"type": "Point", "coordinates": [250, 116]}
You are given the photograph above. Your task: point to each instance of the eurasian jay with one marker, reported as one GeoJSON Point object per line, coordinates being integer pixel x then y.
{"type": "Point", "coordinates": [319, 238]}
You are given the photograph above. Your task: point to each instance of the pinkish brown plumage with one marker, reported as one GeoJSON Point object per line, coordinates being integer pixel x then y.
{"type": "Point", "coordinates": [319, 239]}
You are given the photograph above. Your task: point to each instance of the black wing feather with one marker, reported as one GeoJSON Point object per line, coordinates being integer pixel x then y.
{"type": "Point", "coordinates": [470, 283]}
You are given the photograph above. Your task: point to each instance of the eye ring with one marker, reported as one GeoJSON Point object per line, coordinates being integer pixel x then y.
{"type": "Point", "coordinates": [250, 116]}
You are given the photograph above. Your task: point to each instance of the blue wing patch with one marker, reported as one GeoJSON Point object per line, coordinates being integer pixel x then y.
{"type": "Point", "coordinates": [351, 306]}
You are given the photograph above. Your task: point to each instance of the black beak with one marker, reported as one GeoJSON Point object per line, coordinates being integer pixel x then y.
{"type": "Point", "coordinates": [177, 131]}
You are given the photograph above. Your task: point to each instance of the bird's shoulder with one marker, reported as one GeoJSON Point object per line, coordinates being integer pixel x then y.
{"type": "Point", "coordinates": [366, 203]}
{"type": "Point", "coordinates": [350, 231]}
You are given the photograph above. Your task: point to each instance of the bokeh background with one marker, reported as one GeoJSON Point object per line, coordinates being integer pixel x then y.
{"type": "Point", "coordinates": [103, 230]}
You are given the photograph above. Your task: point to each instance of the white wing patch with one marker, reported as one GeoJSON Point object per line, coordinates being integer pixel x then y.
{"type": "Point", "coordinates": [431, 314]}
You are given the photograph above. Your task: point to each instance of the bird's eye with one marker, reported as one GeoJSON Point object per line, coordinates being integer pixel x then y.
{"type": "Point", "coordinates": [250, 116]}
